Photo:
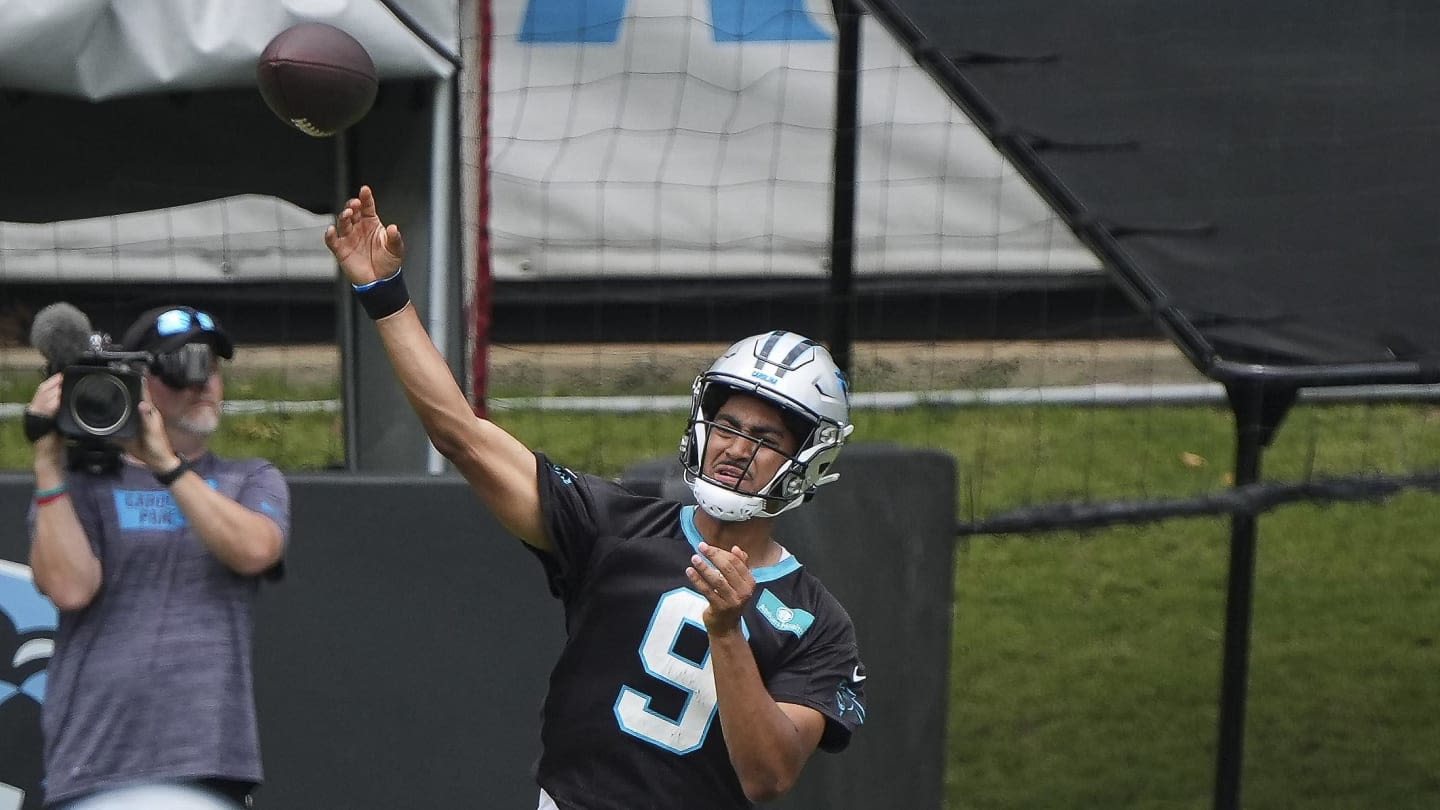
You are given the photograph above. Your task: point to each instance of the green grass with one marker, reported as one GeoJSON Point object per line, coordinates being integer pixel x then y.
{"type": "Point", "coordinates": [1085, 667]}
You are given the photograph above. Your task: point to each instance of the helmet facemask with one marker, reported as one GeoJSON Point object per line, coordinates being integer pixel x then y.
{"type": "Point", "coordinates": [744, 497]}
{"type": "Point", "coordinates": [796, 376]}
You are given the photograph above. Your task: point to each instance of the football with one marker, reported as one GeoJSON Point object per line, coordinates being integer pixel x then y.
{"type": "Point", "coordinates": [317, 78]}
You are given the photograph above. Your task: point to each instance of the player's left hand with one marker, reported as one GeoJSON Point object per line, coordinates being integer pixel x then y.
{"type": "Point", "coordinates": [726, 582]}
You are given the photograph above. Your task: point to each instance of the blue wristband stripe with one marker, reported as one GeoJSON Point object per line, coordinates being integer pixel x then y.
{"type": "Point", "coordinates": [377, 282]}
{"type": "Point", "coordinates": [383, 296]}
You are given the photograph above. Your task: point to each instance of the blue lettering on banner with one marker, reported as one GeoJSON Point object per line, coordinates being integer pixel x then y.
{"type": "Point", "coordinates": [598, 21]}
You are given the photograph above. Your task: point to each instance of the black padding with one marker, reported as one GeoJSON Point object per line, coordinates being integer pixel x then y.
{"type": "Point", "coordinates": [1267, 168]}
{"type": "Point", "coordinates": [403, 661]}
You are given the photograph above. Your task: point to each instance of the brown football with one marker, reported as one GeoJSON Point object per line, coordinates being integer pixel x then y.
{"type": "Point", "coordinates": [317, 78]}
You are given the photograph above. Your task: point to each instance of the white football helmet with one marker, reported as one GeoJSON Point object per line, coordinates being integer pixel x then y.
{"type": "Point", "coordinates": [798, 376]}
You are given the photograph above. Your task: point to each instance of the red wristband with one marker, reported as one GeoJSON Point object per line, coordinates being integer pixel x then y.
{"type": "Point", "coordinates": [50, 495]}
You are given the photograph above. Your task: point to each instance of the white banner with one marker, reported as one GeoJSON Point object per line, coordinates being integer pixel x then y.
{"type": "Point", "coordinates": [248, 238]}
{"type": "Point", "coordinates": [694, 138]}
{"type": "Point", "coordinates": [102, 49]}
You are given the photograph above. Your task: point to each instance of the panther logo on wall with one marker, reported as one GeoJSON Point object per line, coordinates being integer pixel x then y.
{"type": "Point", "coordinates": [27, 637]}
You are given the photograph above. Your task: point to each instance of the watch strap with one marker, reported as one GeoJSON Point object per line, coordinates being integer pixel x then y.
{"type": "Point", "coordinates": [171, 476]}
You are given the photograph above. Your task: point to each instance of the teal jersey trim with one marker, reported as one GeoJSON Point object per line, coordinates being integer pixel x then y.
{"type": "Point", "coordinates": [789, 565]}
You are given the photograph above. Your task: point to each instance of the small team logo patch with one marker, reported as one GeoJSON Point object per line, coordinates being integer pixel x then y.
{"type": "Point", "coordinates": [848, 703]}
{"type": "Point", "coordinates": [787, 619]}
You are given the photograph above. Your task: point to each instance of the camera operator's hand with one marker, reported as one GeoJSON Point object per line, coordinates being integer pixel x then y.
{"type": "Point", "coordinates": [49, 448]}
{"type": "Point", "coordinates": [152, 447]}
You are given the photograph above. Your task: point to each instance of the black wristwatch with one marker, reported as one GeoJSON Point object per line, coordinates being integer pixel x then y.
{"type": "Point", "coordinates": [171, 476]}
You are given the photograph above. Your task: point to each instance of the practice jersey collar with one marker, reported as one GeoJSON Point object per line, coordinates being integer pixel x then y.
{"type": "Point", "coordinates": [788, 563]}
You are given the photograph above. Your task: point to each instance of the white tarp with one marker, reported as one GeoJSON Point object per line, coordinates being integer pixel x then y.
{"type": "Point", "coordinates": [676, 148]}
{"type": "Point", "coordinates": [108, 49]}
{"type": "Point", "coordinates": [239, 240]}
{"type": "Point", "coordinates": [694, 137]}
{"type": "Point", "coordinates": [104, 49]}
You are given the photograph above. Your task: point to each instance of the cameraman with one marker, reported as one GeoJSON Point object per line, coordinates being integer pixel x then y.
{"type": "Point", "coordinates": [154, 569]}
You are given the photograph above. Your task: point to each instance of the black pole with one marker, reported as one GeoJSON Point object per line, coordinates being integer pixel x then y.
{"type": "Point", "coordinates": [842, 209]}
{"type": "Point", "coordinates": [1258, 411]}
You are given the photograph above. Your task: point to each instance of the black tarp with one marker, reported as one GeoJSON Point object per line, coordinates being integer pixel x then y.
{"type": "Point", "coordinates": [1259, 174]}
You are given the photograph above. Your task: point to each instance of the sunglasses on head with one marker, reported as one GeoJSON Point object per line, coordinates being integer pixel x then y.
{"type": "Point", "coordinates": [178, 321]}
{"type": "Point", "coordinates": [190, 365]}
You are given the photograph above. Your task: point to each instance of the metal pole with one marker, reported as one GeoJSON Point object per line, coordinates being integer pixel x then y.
{"type": "Point", "coordinates": [346, 305]}
{"type": "Point", "coordinates": [1258, 410]}
{"type": "Point", "coordinates": [442, 131]}
{"type": "Point", "coordinates": [842, 222]}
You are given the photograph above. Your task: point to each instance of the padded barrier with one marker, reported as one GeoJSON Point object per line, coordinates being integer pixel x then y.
{"type": "Point", "coordinates": [402, 661]}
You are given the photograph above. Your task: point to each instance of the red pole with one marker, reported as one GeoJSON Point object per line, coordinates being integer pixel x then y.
{"type": "Point", "coordinates": [481, 303]}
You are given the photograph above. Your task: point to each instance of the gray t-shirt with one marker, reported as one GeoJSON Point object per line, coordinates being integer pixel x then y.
{"type": "Point", "coordinates": [153, 679]}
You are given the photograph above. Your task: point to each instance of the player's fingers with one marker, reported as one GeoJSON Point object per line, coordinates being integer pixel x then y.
{"type": "Point", "coordinates": [698, 580]}
{"type": "Point", "coordinates": [729, 565]}
{"type": "Point", "coordinates": [740, 554]}
{"type": "Point", "coordinates": [712, 575]}
{"type": "Point", "coordinates": [714, 553]}
{"type": "Point", "coordinates": [394, 242]}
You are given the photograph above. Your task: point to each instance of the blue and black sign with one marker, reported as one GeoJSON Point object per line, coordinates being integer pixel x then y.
{"type": "Point", "coordinates": [27, 637]}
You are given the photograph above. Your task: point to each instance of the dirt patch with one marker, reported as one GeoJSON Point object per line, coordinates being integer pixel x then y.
{"type": "Point", "coordinates": [651, 368]}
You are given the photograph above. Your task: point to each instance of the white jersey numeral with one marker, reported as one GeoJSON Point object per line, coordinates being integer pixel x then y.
{"type": "Point", "coordinates": [687, 732]}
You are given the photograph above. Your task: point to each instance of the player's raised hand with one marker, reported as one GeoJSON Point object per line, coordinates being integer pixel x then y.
{"type": "Point", "coordinates": [366, 248]}
{"type": "Point", "coordinates": [726, 581]}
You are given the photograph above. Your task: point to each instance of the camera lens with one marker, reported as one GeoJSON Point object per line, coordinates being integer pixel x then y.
{"type": "Point", "coordinates": [100, 404]}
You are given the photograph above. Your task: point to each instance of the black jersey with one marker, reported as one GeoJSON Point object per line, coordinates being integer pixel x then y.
{"type": "Point", "coordinates": [630, 721]}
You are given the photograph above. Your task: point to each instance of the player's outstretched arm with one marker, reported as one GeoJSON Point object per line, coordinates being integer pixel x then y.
{"type": "Point", "coordinates": [499, 468]}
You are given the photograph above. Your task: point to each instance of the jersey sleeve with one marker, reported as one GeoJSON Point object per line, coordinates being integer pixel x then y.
{"type": "Point", "coordinates": [579, 509]}
{"type": "Point", "coordinates": [829, 677]}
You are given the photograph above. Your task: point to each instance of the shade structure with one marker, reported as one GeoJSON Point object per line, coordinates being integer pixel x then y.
{"type": "Point", "coordinates": [1259, 175]}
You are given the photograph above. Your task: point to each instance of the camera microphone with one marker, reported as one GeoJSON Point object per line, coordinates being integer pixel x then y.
{"type": "Point", "coordinates": [62, 334]}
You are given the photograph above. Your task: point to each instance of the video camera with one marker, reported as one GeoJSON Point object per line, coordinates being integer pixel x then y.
{"type": "Point", "coordinates": [101, 381]}
{"type": "Point", "coordinates": [100, 393]}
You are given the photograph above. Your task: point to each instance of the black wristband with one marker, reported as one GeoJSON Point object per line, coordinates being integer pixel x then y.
{"type": "Point", "coordinates": [38, 427]}
{"type": "Point", "coordinates": [171, 476]}
{"type": "Point", "coordinates": [384, 297]}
